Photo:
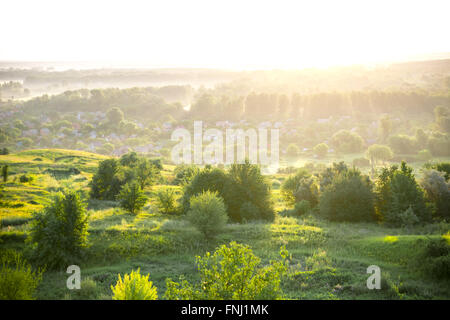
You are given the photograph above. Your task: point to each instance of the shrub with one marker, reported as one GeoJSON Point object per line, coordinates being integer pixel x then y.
{"type": "Point", "coordinates": [18, 281]}
{"type": "Point", "coordinates": [301, 186]}
{"type": "Point", "coordinates": [348, 198]}
{"type": "Point", "coordinates": [377, 152]}
{"type": "Point", "coordinates": [321, 150]}
{"type": "Point", "coordinates": [347, 142]}
{"type": "Point", "coordinates": [134, 287]}
{"type": "Point", "coordinates": [398, 190]}
{"type": "Point", "coordinates": [247, 184]}
{"type": "Point", "coordinates": [24, 178]}
{"type": "Point", "coordinates": [184, 173]}
{"type": "Point", "coordinates": [59, 232]}
{"type": "Point", "coordinates": [232, 272]}
{"type": "Point", "coordinates": [403, 219]}
{"type": "Point", "coordinates": [105, 183]}
{"type": "Point", "coordinates": [437, 191]}
{"type": "Point", "coordinates": [434, 260]}
{"type": "Point", "coordinates": [248, 212]}
{"type": "Point", "coordinates": [302, 207]}
{"type": "Point", "coordinates": [88, 290]}
{"type": "Point", "coordinates": [403, 144]}
{"type": "Point", "coordinates": [207, 213]}
{"type": "Point", "coordinates": [292, 150]}
{"type": "Point", "coordinates": [132, 198]}
{"type": "Point", "coordinates": [242, 183]}
{"type": "Point", "coordinates": [165, 200]}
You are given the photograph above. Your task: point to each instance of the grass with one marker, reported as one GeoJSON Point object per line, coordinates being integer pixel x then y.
{"type": "Point", "coordinates": [328, 260]}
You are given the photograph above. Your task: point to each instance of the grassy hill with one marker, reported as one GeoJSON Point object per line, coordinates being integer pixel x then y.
{"type": "Point", "coordinates": [328, 260]}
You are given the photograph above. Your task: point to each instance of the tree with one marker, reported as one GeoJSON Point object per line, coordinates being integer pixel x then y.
{"type": "Point", "coordinates": [165, 200]}
{"type": "Point", "coordinates": [442, 118]}
{"type": "Point", "coordinates": [292, 150]}
{"type": "Point", "coordinates": [207, 213]}
{"type": "Point", "coordinates": [397, 191]}
{"type": "Point", "coordinates": [421, 138]}
{"type": "Point", "coordinates": [115, 115]}
{"type": "Point", "coordinates": [403, 144]}
{"type": "Point", "coordinates": [59, 233]}
{"type": "Point", "coordinates": [232, 272]}
{"type": "Point", "coordinates": [132, 198]}
{"type": "Point", "coordinates": [437, 190]}
{"type": "Point", "coordinates": [321, 150]}
{"type": "Point", "coordinates": [105, 183]}
{"type": "Point", "coordinates": [301, 186]}
{"type": "Point", "coordinates": [5, 173]}
{"type": "Point", "coordinates": [378, 152]}
{"type": "Point", "coordinates": [349, 197]}
{"type": "Point", "coordinates": [347, 142]}
{"type": "Point", "coordinates": [385, 128]}
{"type": "Point", "coordinates": [146, 172]}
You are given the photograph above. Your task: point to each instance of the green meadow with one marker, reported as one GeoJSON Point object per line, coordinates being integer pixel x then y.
{"type": "Point", "coordinates": [328, 260]}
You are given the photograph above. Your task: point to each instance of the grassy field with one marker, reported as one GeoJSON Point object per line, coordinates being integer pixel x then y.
{"type": "Point", "coordinates": [328, 260]}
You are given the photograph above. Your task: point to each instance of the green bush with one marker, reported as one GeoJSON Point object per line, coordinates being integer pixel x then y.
{"type": "Point", "coordinates": [134, 287]}
{"type": "Point", "coordinates": [165, 200]}
{"type": "Point", "coordinates": [348, 198]}
{"type": "Point", "coordinates": [59, 232]}
{"type": "Point", "coordinates": [302, 207]}
{"type": "Point", "coordinates": [248, 212]}
{"type": "Point", "coordinates": [18, 281]}
{"type": "Point", "coordinates": [88, 290]}
{"type": "Point", "coordinates": [240, 184]}
{"type": "Point", "coordinates": [321, 150]}
{"type": "Point", "coordinates": [434, 259]}
{"type": "Point", "coordinates": [184, 173]}
{"type": "Point", "coordinates": [397, 191]}
{"type": "Point", "coordinates": [437, 191]}
{"type": "Point", "coordinates": [24, 178]}
{"type": "Point", "coordinates": [207, 213]}
{"type": "Point", "coordinates": [132, 198]}
{"type": "Point", "coordinates": [232, 272]}
{"type": "Point", "coordinates": [301, 186]}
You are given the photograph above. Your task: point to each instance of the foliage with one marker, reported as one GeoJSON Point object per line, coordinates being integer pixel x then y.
{"type": "Point", "coordinates": [301, 186]}
{"type": "Point", "coordinates": [59, 233]}
{"type": "Point", "coordinates": [378, 152]}
{"type": "Point", "coordinates": [165, 199]}
{"type": "Point", "coordinates": [112, 174]}
{"type": "Point", "coordinates": [5, 173]}
{"type": "Point", "coordinates": [240, 184]}
{"type": "Point", "coordinates": [132, 198]}
{"type": "Point", "coordinates": [232, 272]}
{"type": "Point", "coordinates": [397, 191]}
{"type": "Point", "coordinates": [403, 144]}
{"type": "Point", "coordinates": [134, 286]}
{"type": "Point", "coordinates": [301, 208]}
{"type": "Point", "coordinates": [184, 173]}
{"type": "Point", "coordinates": [437, 191]}
{"type": "Point", "coordinates": [292, 150]}
{"type": "Point", "coordinates": [347, 142]}
{"type": "Point", "coordinates": [321, 150]}
{"type": "Point", "coordinates": [207, 213]}
{"type": "Point", "coordinates": [105, 183]}
{"type": "Point", "coordinates": [18, 281]}
{"type": "Point", "coordinates": [434, 259]}
{"type": "Point", "coordinates": [348, 198]}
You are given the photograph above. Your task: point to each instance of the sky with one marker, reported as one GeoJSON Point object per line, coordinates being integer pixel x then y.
{"type": "Point", "coordinates": [223, 34]}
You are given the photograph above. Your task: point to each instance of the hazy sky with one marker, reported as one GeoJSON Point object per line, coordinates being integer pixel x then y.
{"type": "Point", "coordinates": [235, 34]}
